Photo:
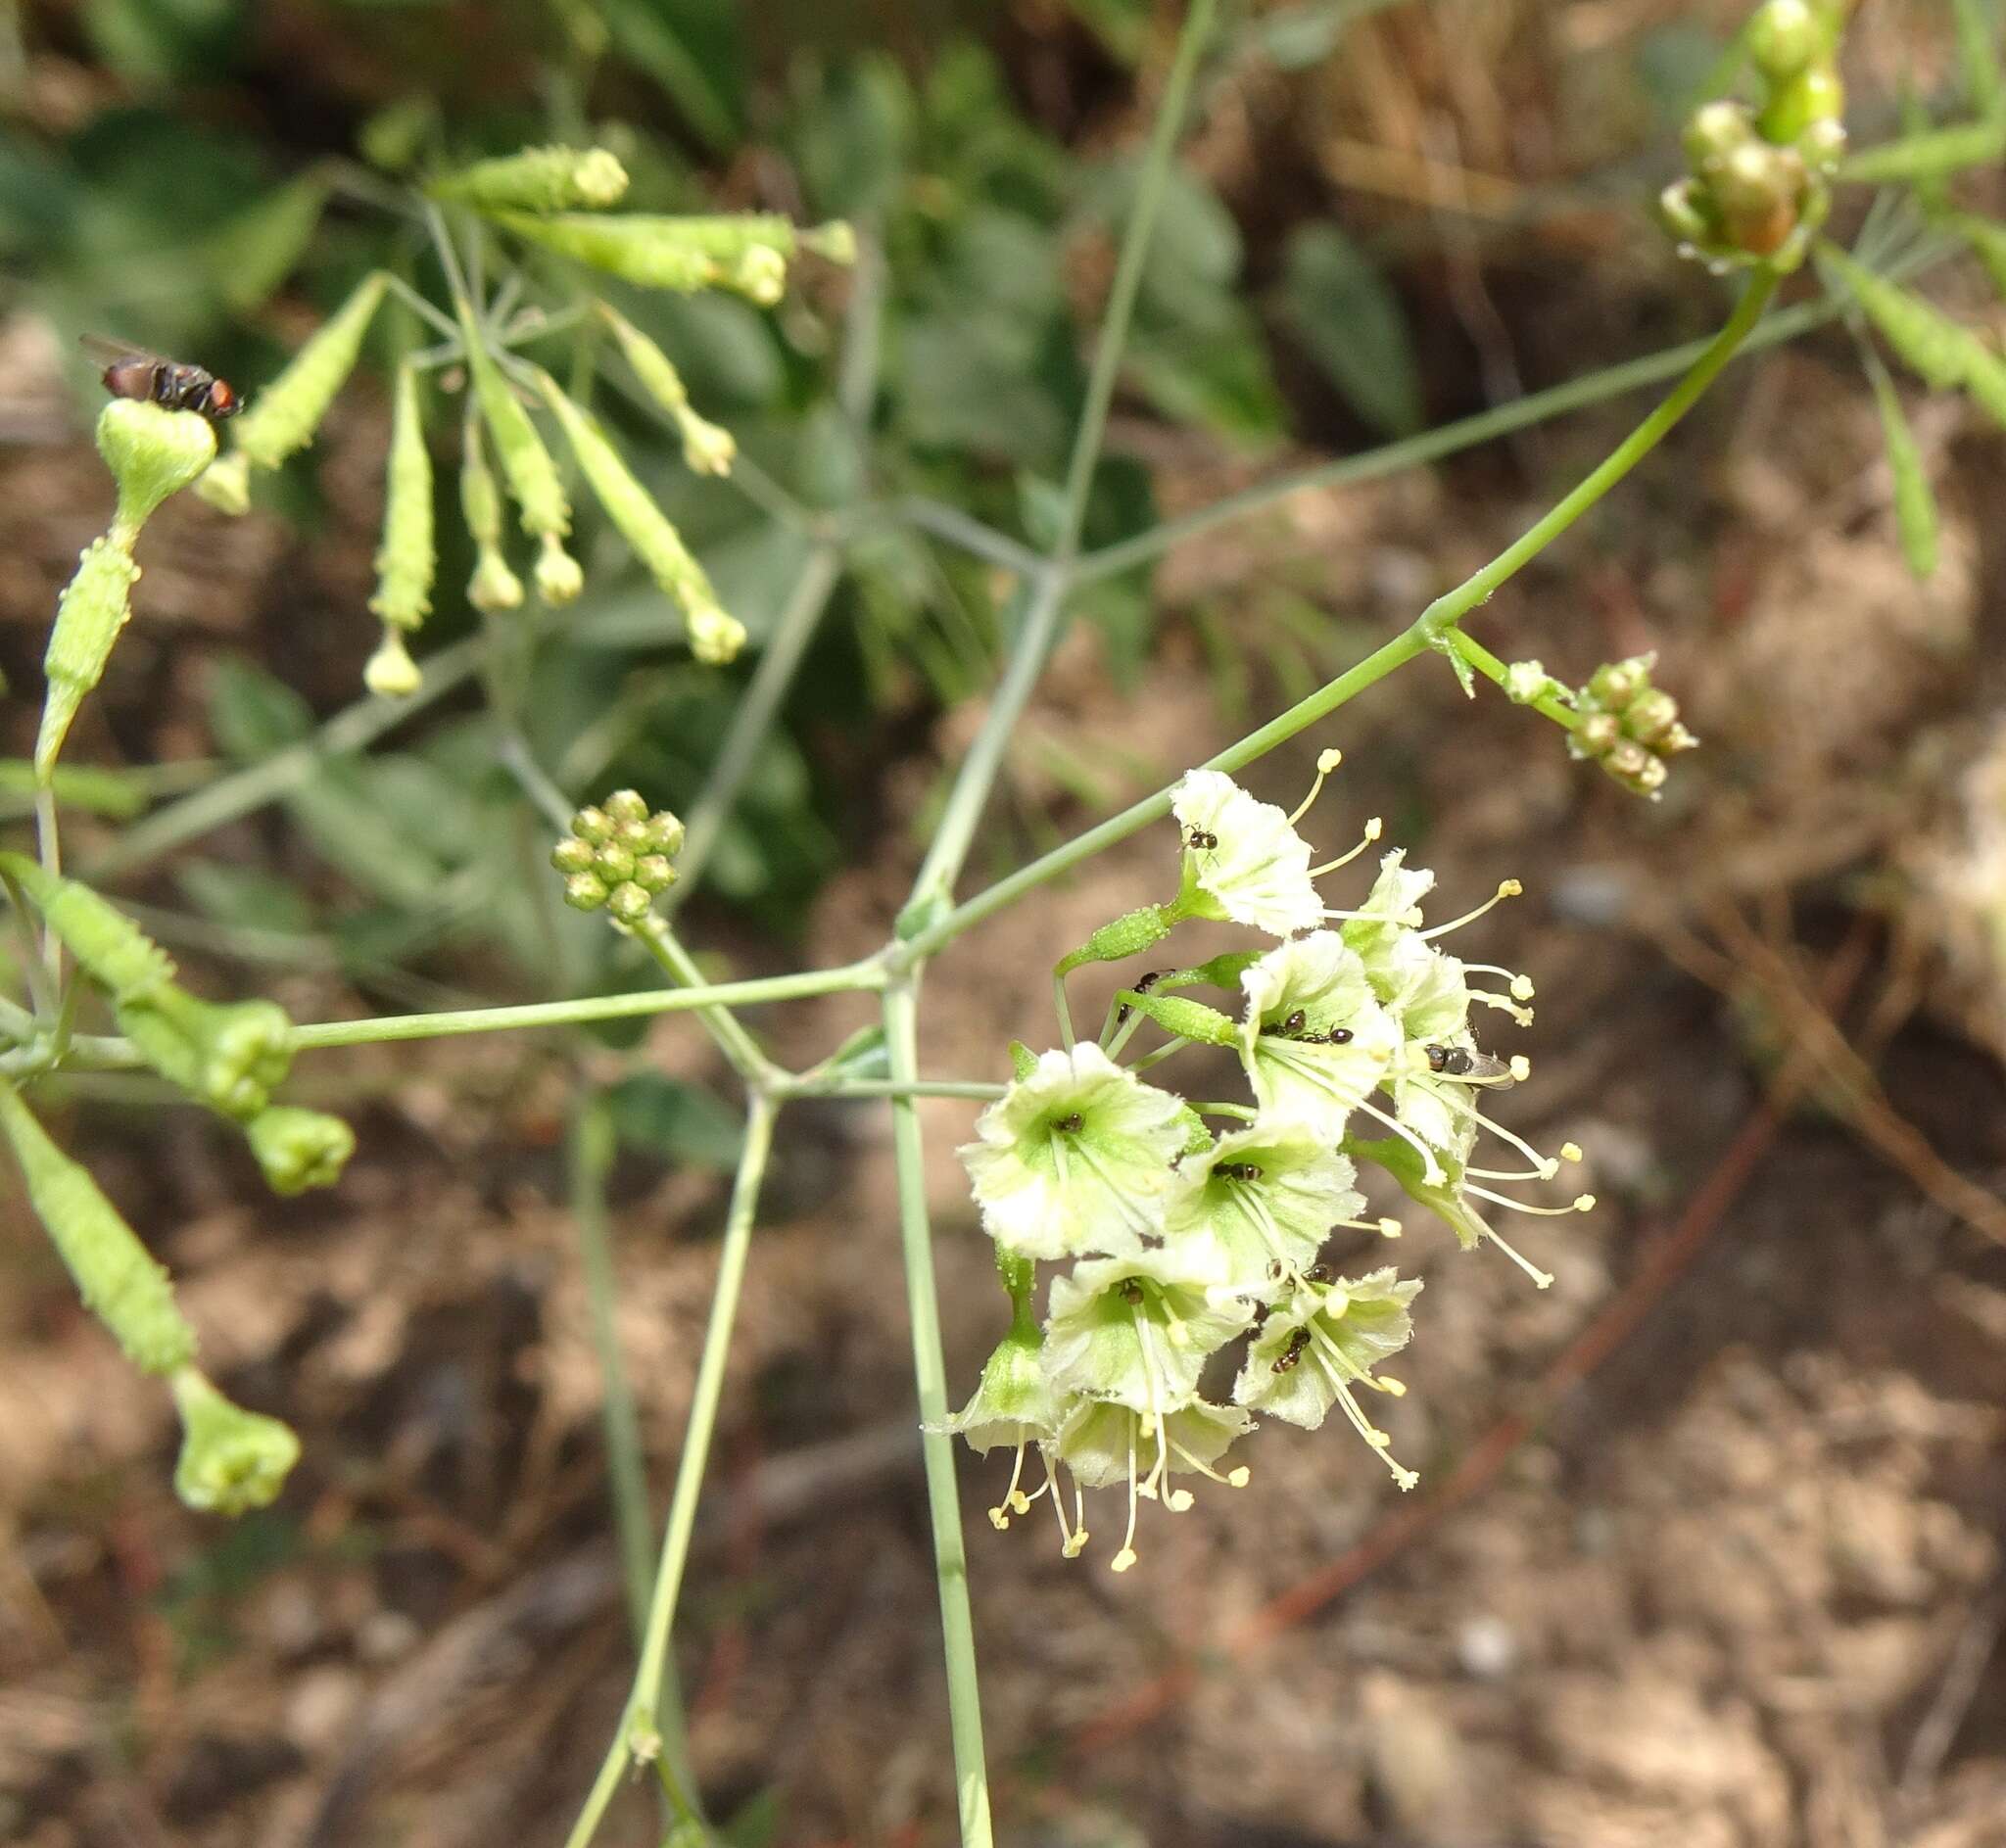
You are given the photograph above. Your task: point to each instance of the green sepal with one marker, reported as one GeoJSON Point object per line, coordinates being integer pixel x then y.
{"type": "Point", "coordinates": [1186, 1019]}
{"type": "Point", "coordinates": [119, 1279]}
{"type": "Point", "coordinates": [1220, 971]}
{"type": "Point", "coordinates": [1023, 1060]}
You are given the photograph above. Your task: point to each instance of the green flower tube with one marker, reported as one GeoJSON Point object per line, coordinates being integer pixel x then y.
{"type": "Point", "coordinates": [537, 179]}
{"type": "Point", "coordinates": [389, 673]}
{"type": "Point", "coordinates": [409, 556]}
{"type": "Point", "coordinates": [283, 417]}
{"type": "Point", "coordinates": [714, 636]}
{"type": "Point", "coordinates": [233, 1461]}
{"type": "Point", "coordinates": [746, 252]}
{"type": "Point", "coordinates": [708, 448]}
{"type": "Point", "coordinates": [119, 1279]}
{"type": "Point", "coordinates": [151, 454]}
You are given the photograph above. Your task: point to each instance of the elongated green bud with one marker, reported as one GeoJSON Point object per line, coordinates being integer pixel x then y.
{"type": "Point", "coordinates": [117, 1278]}
{"type": "Point", "coordinates": [112, 950]}
{"type": "Point", "coordinates": [409, 556]}
{"type": "Point", "coordinates": [151, 454]}
{"type": "Point", "coordinates": [283, 417]}
{"type": "Point", "coordinates": [493, 586]}
{"type": "Point", "coordinates": [228, 1056]}
{"type": "Point", "coordinates": [96, 604]}
{"type": "Point", "coordinates": [233, 1461]}
{"type": "Point", "coordinates": [532, 474]}
{"type": "Point", "coordinates": [706, 447]}
{"type": "Point", "coordinates": [713, 635]}
{"type": "Point", "coordinates": [746, 252]}
{"type": "Point", "coordinates": [538, 179]}
{"type": "Point", "coordinates": [298, 1149]}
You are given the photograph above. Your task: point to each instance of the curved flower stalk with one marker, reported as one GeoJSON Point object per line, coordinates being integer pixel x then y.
{"type": "Point", "coordinates": [1356, 1041]}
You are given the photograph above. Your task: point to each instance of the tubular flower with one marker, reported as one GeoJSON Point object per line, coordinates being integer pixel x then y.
{"type": "Point", "coordinates": [1138, 1330]}
{"type": "Point", "coordinates": [1013, 1404]}
{"type": "Point", "coordinates": [1322, 1342]}
{"type": "Point", "coordinates": [1259, 1203]}
{"type": "Point", "coordinates": [287, 413]}
{"type": "Point", "coordinates": [1074, 1157]}
{"type": "Point", "coordinates": [1313, 1040]}
{"type": "Point", "coordinates": [1244, 863]}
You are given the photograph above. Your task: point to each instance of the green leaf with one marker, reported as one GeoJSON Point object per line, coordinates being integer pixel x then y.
{"type": "Point", "coordinates": [1915, 505]}
{"type": "Point", "coordinates": [1977, 57]}
{"type": "Point", "coordinates": [693, 49]}
{"type": "Point", "coordinates": [1988, 242]}
{"type": "Point", "coordinates": [1928, 156]}
{"type": "Point", "coordinates": [1941, 351]}
{"type": "Point", "coordinates": [117, 795]}
{"type": "Point", "coordinates": [682, 1124]}
{"type": "Point", "coordinates": [854, 138]}
{"type": "Point", "coordinates": [256, 251]}
{"type": "Point", "coordinates": [251, 713]}
{"type": "Point", "coordinates": [1340, 309]}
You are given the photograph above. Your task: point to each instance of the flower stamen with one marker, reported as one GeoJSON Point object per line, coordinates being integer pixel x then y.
{"type": "Point", "coordinates": [1326, 762]}
{"type": "Point", "coordinates": [1506, 889]}
{"type": "Point", "coordinates": [1373, 830]}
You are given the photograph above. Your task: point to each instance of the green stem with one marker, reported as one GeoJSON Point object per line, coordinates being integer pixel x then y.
{"type": "Point", "coordinates": [970, 534]}
{"type": "Point", "coordinates": [754, 719]}
{"type": "Point", "coordinates": [639, 1738]}
{"type": "Point", "coordinates": [1424, 633]}
{"type": "Point", "coordinates": [889, 1087]}
{"type": "Point", "coordinates": [929, 1372]}
{"type": "Point", "coordinates": [739, 1046]}
{"type": "Point", "coordinates": [1476, 588]}
{"type": "Point", "coordinates": [592, 1153]}
{"type": "Point", "coordinates": [1127, 283]}
{"type": "Point", "coordinates": [1476, 655]}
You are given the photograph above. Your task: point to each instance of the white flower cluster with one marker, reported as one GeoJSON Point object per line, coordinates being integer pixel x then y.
{"type": "Point", "coordinates": [1353, 1033]}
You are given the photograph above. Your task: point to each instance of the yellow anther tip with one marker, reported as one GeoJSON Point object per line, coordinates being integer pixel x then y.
{"type": "Point", "coordinates": [1584, 1202]}
{"type": "Point", "coordinates": [1509, 889]}
{"type": "Point", "coordinates": [999, 1519]}
{"type": "Point", "coordinates": [1179, 1502]}
{"type": "Point", "coordinates": [1389, 1228]}
{"type": "Point", "coordinates": [1327, 761]}
{"type": "Point", "coordinates": [1570, 1151]}
{"type": "Point", "coordinates": [1239, 1478]}
{"type": "Point", "coordinates": [1374, 828]}
{"type": "Point", "coordinates": [1521, 1067]}
{"type": "Point", "coordinates": [1386, 1383]}
{"type": "Point", "coordinates": [1123, 1560]}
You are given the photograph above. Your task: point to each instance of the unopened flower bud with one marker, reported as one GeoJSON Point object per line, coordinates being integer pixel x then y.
{"type": "Point", "coordinates": [652, 872]}
{"type": "Point", "coordinates": [1598, 734]}
{"type": "Point", "coordinates": [284, 417]}
{"type": "Point", "coordinates": [1714, 132]}
{"type": "Point", "coordinates": [1757, 188]}
{"type": "Point", "coordinates": [1812, 96]}
{"type": "Point", "coordinates": [1650, 715]}
{"type": "Point", "coordinates": [572, 855]}
{"type": "Point", "coordinates": [626, 806]}
{"type": "Point", "coordinates": [151, 454]}
{"type": "Point", "coordinates": [1626, 760]}
{"type": "Point", "coordinates": [1783, 37]}
{"type": "Point", "coordinates": [560, 577]}
{"type": "Point", "coordinates": [585, 892]}
{"type": "Point", "coordinates": [1682, 209]}
{"type": "Point", "coordinates": [1615, 683]}
{"type": "Point", "coordinates": [834, 242]}
{"type": "Point", "coordinates": [96, 604]}
{"type": "Point", "coordinates": [593, 825]}
{"type": "Point", "coordinates": [715, 637]}
{"type": "Point", "coordinates": [613, 863]}
{"type": "Point", "coordinates": [391, 673]}
{"type": "Point", "coordinates": [225, 484]}
{"type": "Point", "coordinates": [233, 1461]}
{"type": "Point", "coordinates": [538, 179]}
{"type": "Point", "coordinates": [1822, 146]}
{"type": "Point", "coordinates": [628, 902]}
{"type": "Point", "coordinates": [706, 448]}
{"type": "Point", "coordinates": [666, 832]}
{"type": "Point", "coordinates": [531, 473]}
{"type": "Point", "coordinates": [493, 586]}
{"type": "Point", "coordinates": [298, 1149]}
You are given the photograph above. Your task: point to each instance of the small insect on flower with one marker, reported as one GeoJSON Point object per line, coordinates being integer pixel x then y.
{"type": "Point", "coordinates": [132, 372]}
{"type": "Point", "coordinates": [1201, 839]}
{"type": "Point", "coordinates": [1293, 1353]}
{"type": "Point", "coordinates": [1466, 1061]}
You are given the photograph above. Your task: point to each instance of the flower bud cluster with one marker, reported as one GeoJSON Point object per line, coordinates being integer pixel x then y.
{"type": "Point", "coordinates": [618, 857]}
{"type": "Point", "coordinates": [1756, 188]}
{"type": "Point", "coordinates": [1354, 1034]}
{"type": "Point", "coordinates": [1628, 724]}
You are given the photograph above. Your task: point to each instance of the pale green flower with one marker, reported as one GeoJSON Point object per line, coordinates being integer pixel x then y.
{"type": "Point", "coordinates": [1392, 909]}
{"type": "Point", "coordinates": [1246, 863]}
{"type": "Point", "coordinates": [1264, 1200]}
{"type": "Point", "coordinates": [1075, 1157]}
{"type": "Point", "coordinates": [1313, 1039]}
{"type": "Point", "coordinates": [1323, 1341]}
{"type": "Point", "coordinates": [1015, 1405]}
{"type": "Point", "coordinates": [1137, 1329]}
{"type": "Point", "coordinates": [1104, 1444]}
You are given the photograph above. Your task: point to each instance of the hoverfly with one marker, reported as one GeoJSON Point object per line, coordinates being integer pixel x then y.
{"type": "Point", "coordinates": [133, 372]}
{"type": "Point", "coordinates": [1470, 1065]}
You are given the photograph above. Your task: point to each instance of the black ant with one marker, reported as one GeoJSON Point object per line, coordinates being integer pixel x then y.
{"type": "Point", "coordinates": [1142, 985]}
{"type": "Point", "coordinates": [1201, 839]}
{"type": "Point", "coordinates": [1238, 1171]}
{"type": "Point", "coordinates": [1070, 1124]}
{"type": "Point", "coordinates": [1294, 1351]}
